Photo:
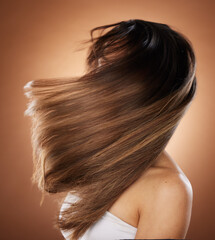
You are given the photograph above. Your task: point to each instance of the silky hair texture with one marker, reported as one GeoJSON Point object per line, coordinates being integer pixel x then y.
{"type": "Point", "coordinates": [95, 134]}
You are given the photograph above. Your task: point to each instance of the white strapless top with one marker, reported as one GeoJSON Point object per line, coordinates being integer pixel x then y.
{"type": "Point", "coordinates": [108, 227]}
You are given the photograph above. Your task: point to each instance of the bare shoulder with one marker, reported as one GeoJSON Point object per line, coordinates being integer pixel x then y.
{"type": "Point", "coordinates": [165, 175]}
{"type": "Point", "coordinates": [165, 201]}
{"type": "Point", "coordinates": [169, 185]}
{"type": "Point", "coordinates": [164, 183]}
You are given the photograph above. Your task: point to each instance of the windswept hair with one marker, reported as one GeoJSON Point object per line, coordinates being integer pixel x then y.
{"type": "Point", "coordinates": [95, 134]}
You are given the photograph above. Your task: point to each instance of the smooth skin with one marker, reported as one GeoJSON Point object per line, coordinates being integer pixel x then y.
{"type": "Point", "coordinates": [165, 204]}
{"type": "Point", "coordinates": [159, 203]}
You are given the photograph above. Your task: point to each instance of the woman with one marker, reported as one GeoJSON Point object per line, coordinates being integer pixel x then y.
{"type": "Point", "coordinates": [101, 137]}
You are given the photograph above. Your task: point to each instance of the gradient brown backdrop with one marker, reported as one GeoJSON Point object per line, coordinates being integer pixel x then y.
{"type": "Point", "coordinates": [38, 39]}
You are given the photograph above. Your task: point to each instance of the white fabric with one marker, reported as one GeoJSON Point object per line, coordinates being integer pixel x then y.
{"type": "Point", "coordinates": [108, 227]}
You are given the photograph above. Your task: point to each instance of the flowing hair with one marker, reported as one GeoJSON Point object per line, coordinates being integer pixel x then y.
{"type": "Point", "coordinates": [96, 134]}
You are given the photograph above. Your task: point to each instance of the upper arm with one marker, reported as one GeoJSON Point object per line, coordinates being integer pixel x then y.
{"type": "Point", "coordinates": [167, 211]}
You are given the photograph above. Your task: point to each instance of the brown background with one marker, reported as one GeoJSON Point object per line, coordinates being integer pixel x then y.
{"type": "Point", "coordinates": [38, 39]}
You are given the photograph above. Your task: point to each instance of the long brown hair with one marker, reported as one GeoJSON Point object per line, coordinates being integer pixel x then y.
{"type": "Point", "coordinates": [95, 135]}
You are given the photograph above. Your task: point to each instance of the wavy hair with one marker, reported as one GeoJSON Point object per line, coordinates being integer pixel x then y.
{"type": "Point", "coordinates": [96, 134]}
